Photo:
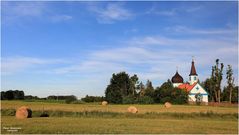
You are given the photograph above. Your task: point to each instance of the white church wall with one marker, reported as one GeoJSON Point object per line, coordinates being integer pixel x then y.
{"type": "Point", "coordinates": [176, 84]}
{"type": "Point", "coordinates": [193, 79]}
{"type": "Point", "coordinates": [198, 89]}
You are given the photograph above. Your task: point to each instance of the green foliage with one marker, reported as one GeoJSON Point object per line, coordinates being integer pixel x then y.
{"type": "Point", "coordinates": [134, 83]}
{"type": "Point", "coordinates": [113, 94]}
{"type": "Point", "coordinates": [148, 115]}
{"type": "Point", "coordinates": [121, 85]}
{"type": "Point", "coordinates": [149, 91]}
{"type": "Point", "coordinates": [230, 82]}
{"type": "Point", "coordinates": [167, 93]}
{"type": "Point", "coordinates": [70, 99]}
{"type": "Point", "coordinates": [141, 88]}
{"type": "Point", "coordinates": [216, 77]}
{"type": "Point", "coordinates": [145, 100]}
{"type": "Point", "coordinates": [165, 99]}
{"type": "Point", "coordinates": [8, 112]}
{"type": "Point", "coordinates": [235, 95]}
{"type": "Point", "coordinates": [92, 99]}
{"type": "Point", "coordinates": [12, 95]}
{"type": "Point", "coordinates": [209, 87]}
{"type": "Point", "coordinates": [198, 97]}
{"type": "Point", "coordinates": [128, 99]}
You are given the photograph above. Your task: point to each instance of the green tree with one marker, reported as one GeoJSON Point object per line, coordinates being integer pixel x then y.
{"type": "Point", "coordinates": [230, 81]}
{"type": "Point", "coordinates": [134, 82]}
{"type": "Point", "coordinates": [167, 93]}
{"type": "Point", "coordinates": [113, 94]}
{"type": "Point", "coordinates": [216, 77]}
{"type": "Point", "coordinates": [149, 90]}
{"type": "Point", "coordinates": [207, 84]}
{"type": "Point", "coordinates": [141, 88]}
{"type": "Point", "coordinates": [121, 85]}
{"type": "Point", "coordinates": [235, 95]}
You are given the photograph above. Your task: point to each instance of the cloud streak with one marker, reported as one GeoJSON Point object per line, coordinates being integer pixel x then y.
{"type": "Point", "coordinates": [12, 12]}
{"type": "Point", "coordinates": [16, 64]}
{"type": "Point", "coordinates": [111, 13]}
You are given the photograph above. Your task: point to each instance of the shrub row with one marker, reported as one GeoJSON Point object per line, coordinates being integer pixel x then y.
{"type": "Point", "coordinates": [196, 115]}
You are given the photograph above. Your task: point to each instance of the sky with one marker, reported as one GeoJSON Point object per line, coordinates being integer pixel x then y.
{"type": "Point", "coordinates": [65, 48]}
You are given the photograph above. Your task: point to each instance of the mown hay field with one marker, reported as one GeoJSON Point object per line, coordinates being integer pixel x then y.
{"type": "Point", "coordinates": [117, 125]}
{"type": "Point", "coordinates": [114, 108]}
{"type": "Point", "coordinates": [185, 119]}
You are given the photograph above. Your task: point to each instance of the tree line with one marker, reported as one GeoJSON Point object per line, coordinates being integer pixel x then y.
{"type": "Point", "coordinates": [125, 89]}
{"type": "Point", "coordinates": [12, 94]}
{"type": "Point", "coordinates": [212, 84]}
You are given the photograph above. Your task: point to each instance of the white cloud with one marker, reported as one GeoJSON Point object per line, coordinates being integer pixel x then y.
{"type": "Point", "coordinates": [91, 67]}
{"type": "Point", "coordinates": [173, 11]}
{"type": "Point", "coordinates": [60, 18]}
{"type": "Point", "coordinates": [156, 11]}
{"type": "Point", "coordinates": [21, 9]}
{"type": "Point", "coordinates": [111, 13]}
{"type": "Point", "coordinates": [11, 65]}
{"type": "Point", "coordinates": [12, 12]}
{"type": "Point", "coordinates": [187, 30]}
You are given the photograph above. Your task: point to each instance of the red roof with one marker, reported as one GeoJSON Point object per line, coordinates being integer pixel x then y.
{"type": "Point", "coordinates": [187, 86]}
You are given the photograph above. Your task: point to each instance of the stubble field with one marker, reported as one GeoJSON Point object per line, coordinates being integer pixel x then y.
{"type": "Point", "coordinates": [95, 118]}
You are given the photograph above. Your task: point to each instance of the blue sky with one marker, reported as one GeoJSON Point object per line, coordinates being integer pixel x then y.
{"type": "Point", "coordinates": [74, 47]}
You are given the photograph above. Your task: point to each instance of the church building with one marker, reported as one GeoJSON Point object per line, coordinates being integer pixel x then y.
{"type": "Point", "coordinates": [196, 92]}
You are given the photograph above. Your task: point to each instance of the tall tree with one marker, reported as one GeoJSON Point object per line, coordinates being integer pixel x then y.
{"type": "Point", "coordinates": [121, 85]}
{"type": "Point", "coordinates": [230, 81]}
{"type": "Point", "coordinates": [207, 84]}
{"type": "Point", "coordinates": [217, 79]}
{"type": "Point", "coordinates": [149, 88]}
{"type": "Point", "coordinates": [134, 80]}
{"type": "Point", "coordinates": [141, 88]}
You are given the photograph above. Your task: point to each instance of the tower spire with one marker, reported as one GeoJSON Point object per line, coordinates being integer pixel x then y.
{"type": "Point", "coordinates": [193, 69]}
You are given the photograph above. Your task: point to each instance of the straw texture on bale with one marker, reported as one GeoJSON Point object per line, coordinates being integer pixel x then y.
{"type": "Point", "coordinates": [167, 105]}
{"type": "Point", "coordinates": [132, 109]}
{"type": "Point", "coordinates": [104, 103]}
{"type": "Point", "coordinates": [23, 113]}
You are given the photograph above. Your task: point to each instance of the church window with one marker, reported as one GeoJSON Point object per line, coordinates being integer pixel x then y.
{"type": "Point", "coordinates": [197, 88]}
{"type": "Point", "coordinates": [195, 78]}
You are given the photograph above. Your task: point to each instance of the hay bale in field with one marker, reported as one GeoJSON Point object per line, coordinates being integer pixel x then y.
{"type": "Point", "coordinates": [167, 105]}
{"type": "Point", "coordinates": [23, 113]}
{"type": "Point", "coordinates": [104, 103]}
{"type": "Point", "coordinates": [132, 109]}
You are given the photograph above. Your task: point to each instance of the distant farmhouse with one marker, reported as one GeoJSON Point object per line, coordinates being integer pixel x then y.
{"type": "Point", "coordinates": [196, 92]}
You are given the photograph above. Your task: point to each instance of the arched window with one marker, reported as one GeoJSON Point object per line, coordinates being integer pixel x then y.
{"type": "Point", "coordinates": [195, 78]}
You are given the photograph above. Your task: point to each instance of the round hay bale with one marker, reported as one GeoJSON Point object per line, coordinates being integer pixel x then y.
{"type": "Point", "coordinates": [167, 105]}
{"type": "Point", "coordinates": [104, 103]}
{"type": "Point", "coordinates": [23, 113]}
{"type": "Point", "coordinates": [132, 109]}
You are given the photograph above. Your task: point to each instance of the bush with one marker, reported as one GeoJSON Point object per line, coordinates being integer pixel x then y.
{"type": "Point", "coordinates": [78, 102]}
{"type": "Point", "coordinates": [70, 99]}
{"type": "Point", "coordinates": [128, 100]}
{"type": "Point", "coordinates": [92, 99]}
{"type": "Point", "coordinates": [145, 100]}
{"type": "Point", "coordinates": [166, 99]}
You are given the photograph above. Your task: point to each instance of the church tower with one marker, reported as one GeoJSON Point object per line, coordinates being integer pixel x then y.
{"type": "Point", "coordinates": [193, 76]}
